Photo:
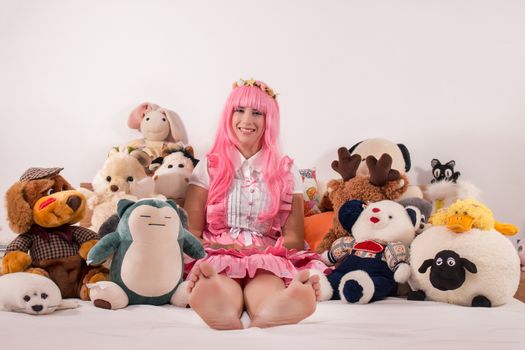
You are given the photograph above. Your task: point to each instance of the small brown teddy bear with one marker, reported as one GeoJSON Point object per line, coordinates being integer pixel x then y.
{"type": "Point", "coordinates": [382, 183]}
{"type": "Point", "coordinates": [42, 207]}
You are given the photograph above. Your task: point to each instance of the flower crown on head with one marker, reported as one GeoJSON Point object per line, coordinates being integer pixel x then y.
{"type": "Point", "coordinates": [252, 82]}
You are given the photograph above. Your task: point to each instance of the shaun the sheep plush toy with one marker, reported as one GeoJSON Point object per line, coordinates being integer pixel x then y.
{"type": "Point", "coordinates": [42, 208]}
{"type": "Point", "coordinates": [462, 258]}
{"type": "Point", "coordinates": [369, 265]}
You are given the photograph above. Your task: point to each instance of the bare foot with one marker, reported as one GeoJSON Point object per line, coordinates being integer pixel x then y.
{"type": "Point", "coordinates": [216, 298]}
{"type": "Point", "coordinates": [291, 305]}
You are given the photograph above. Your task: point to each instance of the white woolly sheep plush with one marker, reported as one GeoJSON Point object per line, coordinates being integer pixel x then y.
{"type": "Point", "coordinates": [31, 293]}
{"type": "Point", "coordinates": [491, 281]}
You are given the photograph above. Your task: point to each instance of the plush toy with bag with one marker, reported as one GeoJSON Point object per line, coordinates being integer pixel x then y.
{"type": "Point", "coordinates": [463, 259]}
{"type": "Point", "coordinates": [380, 181]}
{"type": "Point", "coordinates": [42, 208]}
{"type": "Point", "coordinates": [31, 294]}
{"type": "Point", "coordinates": [370, 263]}
{"type": "Point", "coordinates": [147, 265]}
{"type": "Point", "coordinates": [123, 168]}
{"type": "Point", "coordinates": [160, 128]}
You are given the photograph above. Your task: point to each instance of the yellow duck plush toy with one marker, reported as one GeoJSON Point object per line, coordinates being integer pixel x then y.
{"type": "Point", "coordinates": [464, 215]}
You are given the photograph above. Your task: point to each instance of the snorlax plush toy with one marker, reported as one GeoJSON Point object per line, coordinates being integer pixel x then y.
{"type": "Point", "coordinates": [147, 264]}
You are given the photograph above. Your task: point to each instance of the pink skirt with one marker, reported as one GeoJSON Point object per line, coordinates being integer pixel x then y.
{"type": "Point", "coordinates": [280, 261]}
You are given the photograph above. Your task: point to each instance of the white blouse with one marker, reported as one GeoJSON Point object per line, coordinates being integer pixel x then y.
{"type": "Point", "coordinates": [247, 197]}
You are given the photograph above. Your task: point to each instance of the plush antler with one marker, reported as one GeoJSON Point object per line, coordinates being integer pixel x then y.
{"type": "Point", "coordinates": [346, 165]}
{"type": "Point", "coordinates": [381, 170]}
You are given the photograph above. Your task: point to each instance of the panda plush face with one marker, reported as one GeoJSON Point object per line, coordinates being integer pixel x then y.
{"type": "Point", "coordinates": [386, 221]}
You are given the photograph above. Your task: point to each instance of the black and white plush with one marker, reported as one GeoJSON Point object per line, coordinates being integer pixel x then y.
{"type": "Point", "coordinates": [493, 282]}
{"type": "Point", "coordinates": [444, 172]}
{"type": "Point", "coordinates": [369, 264]}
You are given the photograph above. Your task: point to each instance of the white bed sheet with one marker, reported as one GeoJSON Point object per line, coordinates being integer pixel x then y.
{"type": "Point", "coordinates": [393, 323]}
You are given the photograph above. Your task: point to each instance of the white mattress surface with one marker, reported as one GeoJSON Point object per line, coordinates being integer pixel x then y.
{"type": "Point", "coordinates": [393, 323]}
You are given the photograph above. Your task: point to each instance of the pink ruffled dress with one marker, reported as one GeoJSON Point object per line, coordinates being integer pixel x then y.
{"type": "Point", "coordinates": [234, 221]}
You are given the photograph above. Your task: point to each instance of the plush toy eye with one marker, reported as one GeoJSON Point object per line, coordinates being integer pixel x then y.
{"type": "Point", "coordinates": [147, 119]}
{"type": "Point", "coordinates": [43, 296]}
{"type": "Point", "coordinates": [50, 191]}
{"type": "Point", "coordinates": [465, 213]}
{"type": "Point", "coordinates": [520, 248]}
{"type": "Point", "coordinates": [448, 173]}
{"type": "Point", "coordinates": [181, 165]}
{"type": "Point", "coordinates": [130, 179]}
{"type": "Point", "coordinates": [170, 166]}
{"type": "Point", "coordinates": [439, 261]}
{"type": "Point", "coordinates": [27, 298]}
{"type": "Point", "coordinates": [451, 262]}
{"type": "Point", "coordinates": [390, 216]}
{"type": "Point", "coordinates": [163, 119]}
{"type": "Point", "coordinates": [108, 179]}
{"type": "Point", "coordinates": [437, 172]}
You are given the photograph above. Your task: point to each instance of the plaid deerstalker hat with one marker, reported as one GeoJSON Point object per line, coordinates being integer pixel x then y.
{"type": "Point", "coordinates": [39, 173]}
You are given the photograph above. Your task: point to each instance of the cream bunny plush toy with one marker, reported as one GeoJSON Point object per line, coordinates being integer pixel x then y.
{"type": "Point", "coordinates": [160, 128]}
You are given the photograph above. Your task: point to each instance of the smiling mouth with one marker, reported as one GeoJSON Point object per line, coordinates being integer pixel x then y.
{"type": "Point", "coordinates": [246, 131]}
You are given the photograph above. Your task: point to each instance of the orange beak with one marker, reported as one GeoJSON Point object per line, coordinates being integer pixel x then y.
{"type": "Point", "coordinates": [460, 223]}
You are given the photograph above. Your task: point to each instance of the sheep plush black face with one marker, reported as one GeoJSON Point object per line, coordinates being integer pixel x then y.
{"type": "Point", "coordinates": [447, 270]}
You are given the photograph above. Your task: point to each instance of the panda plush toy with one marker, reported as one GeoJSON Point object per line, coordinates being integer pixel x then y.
{"type": "Point", "coordinates": [369, 264]}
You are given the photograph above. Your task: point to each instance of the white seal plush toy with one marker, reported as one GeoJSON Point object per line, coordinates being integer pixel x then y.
{"type": "Point", "coordinates": [31, 293]}
{"type": "Point", "coordinates": [463, 260]}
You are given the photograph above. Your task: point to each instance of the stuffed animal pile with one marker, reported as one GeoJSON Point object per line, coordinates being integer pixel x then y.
{"type": "Point", "coordinates": [371, 171]}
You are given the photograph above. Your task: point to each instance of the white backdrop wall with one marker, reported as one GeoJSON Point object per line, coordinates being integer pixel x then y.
{"type": "Point", "coordinates": [446, 78]}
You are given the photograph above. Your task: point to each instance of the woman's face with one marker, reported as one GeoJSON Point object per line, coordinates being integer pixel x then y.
{"type": "Point", "coordinates": [248, 126]}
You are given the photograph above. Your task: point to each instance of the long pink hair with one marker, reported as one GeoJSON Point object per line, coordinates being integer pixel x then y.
{"type": "Point", "coordinates": [276, 168]}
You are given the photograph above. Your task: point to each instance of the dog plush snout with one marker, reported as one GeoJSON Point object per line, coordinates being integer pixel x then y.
{"type": "Point", "coordinates": [37, 308]}
{"type": "Point", "coordinates": [74, 202]}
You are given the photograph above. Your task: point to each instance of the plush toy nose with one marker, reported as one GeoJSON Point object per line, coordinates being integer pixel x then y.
{"type": "Point", "coordinates": [374, 219]}
{"type": "Point", "coordinates": [114, 188]}
{"type": "Point", "coordinates": [37, 308]}
{"type": "Point", "coordinates": [74, 202]}
{"type": "Point", "coordinates": [376, 210]}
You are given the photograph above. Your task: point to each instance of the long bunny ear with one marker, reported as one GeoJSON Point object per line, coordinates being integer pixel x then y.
{"type": "Point", "coordinates": [19, 213]}
{"type": "Point", "coordinates": [136, 115]}
{"type": "Point", "coordinates": [177, 130]}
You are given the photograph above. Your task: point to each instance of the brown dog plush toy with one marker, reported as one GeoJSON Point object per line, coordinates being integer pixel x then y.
{"type": "Point", "coordinates": [42, 207]}
{"type": "Point", "coordinates": [383, 182]}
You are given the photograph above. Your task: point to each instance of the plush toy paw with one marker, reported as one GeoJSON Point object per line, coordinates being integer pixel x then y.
{"type": "Point", "coordinates": [402, 273]}
{"type": "Point", "coordinates": [356, 287]}
{"type": "Point", "coordinates": [92, 277]}
{"type": "Point", "coordinates": [417, 295]}
{"type": "Point", "coordinates": [38, 271]}
{"type": "Point", "coordinates": [86, 247]}
{"type": "Point", "coordinates": [108, 295]}
{"type": "Point", "coordinates": [15, 262]}
{"type": "Point", "coordinates": [481, 301]}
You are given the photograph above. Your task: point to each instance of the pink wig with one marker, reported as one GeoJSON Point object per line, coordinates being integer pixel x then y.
{"type": "Point", "coordinates": [276, 169]}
